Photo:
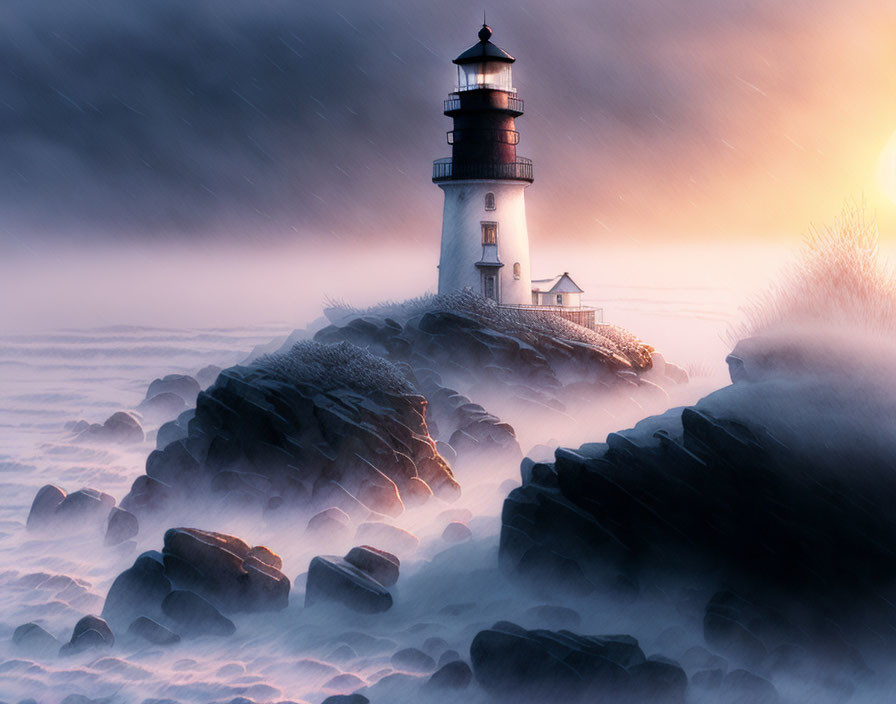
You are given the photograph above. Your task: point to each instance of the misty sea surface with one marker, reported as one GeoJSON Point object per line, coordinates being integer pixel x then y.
{"type": "Point", "coordinates": [445, 595]}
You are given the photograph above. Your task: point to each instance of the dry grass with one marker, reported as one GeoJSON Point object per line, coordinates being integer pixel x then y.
{"type": "Point", "coordinates": [334, 366]}
{"type": "Point", "coordinates": [839, 281]}
{"type": "Point", "coordinates": [532, 327]}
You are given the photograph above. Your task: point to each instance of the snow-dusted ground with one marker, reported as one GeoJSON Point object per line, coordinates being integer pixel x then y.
{"type": "Point", "coordinates": [446, 593]}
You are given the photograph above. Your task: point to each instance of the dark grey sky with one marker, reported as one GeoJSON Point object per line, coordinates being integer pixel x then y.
{"type": "Point", "coordinates": [284, 119]}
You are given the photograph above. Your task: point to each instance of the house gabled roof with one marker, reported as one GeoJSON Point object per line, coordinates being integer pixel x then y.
{"type": "Point", "coordinates": [559, 284]}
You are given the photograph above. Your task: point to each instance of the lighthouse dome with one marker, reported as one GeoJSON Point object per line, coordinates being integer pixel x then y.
{"type": "Point", "coordinates": [484, 65]}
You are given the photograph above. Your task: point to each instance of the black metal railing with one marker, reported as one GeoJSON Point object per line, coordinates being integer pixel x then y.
{"type": "Point", "coordinates": [514, 104]}
{"type": "Point", "coordinates": [447, 170]}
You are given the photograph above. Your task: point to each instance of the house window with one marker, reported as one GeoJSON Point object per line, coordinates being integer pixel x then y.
{"type": "Point", "coordinates": [559, 299]}
{"type": "Point", "coordinates": [489, 201]}
{"type": "Point", "coordinates": [491, 288]}
{"type": "Point", "coordinates": [489, 233]}
{"type": "Point", "coordinates": [517, 270]}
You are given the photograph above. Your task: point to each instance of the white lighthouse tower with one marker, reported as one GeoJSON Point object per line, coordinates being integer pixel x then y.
{"type": "Point", "coordinates": [485, 243]}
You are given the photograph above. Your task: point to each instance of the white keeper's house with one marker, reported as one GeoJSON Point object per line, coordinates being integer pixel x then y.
{"type": "Point", "coordinates": [485, 242]}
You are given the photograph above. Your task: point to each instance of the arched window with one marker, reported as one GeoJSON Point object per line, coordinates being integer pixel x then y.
{"type": "Point", "coordinates": [489, 201]}
{"type": "Point", "coordinates": [517, 270]}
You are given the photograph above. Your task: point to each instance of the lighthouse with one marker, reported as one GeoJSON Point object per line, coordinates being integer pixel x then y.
{"type": "Point", "coordinates": [485, 243]}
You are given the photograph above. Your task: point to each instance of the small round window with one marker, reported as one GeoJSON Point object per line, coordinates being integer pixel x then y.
{"type": "Point", "coordinates": [489, 201]}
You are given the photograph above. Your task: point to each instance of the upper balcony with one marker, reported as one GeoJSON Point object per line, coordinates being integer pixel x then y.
{"type": "Point", "coordinates": [447, 170]}
{"type": "Point", "coordinates": [483, 100]}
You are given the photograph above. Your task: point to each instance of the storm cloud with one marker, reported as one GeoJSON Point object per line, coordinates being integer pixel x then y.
{"type": "Point", "coordinates": [320, 119]}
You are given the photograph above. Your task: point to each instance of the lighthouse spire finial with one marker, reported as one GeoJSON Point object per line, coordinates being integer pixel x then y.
{"type": "Point", "coordinates": [486, 32]}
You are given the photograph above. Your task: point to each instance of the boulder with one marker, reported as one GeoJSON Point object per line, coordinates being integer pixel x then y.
{"type": "Point", "coordinates": [225, 570]}
{"type": "Point", "coordinates": [387, 537]}
{"type": "Point", "coordinates": [121, 427]}
{"type": "Point", "coordinates": [379, 564]}
{"type": "Point", "coordinates": [455, 674]}
{"type": "Point", "coordinates": [31, 639]}
{"type": "Point", "coordinates": [89, 632]}
{"type": "Point", "coordinates": [743, 687]}
{"type": "Point", "coordinates": [346, 699]}
{"type": "Point", "coordinates": [122, 525]}
{"type": "Point", "coordinates": [186, 387]}
{"type": "Point", "coordinates": [332, 579]}
{"type": "Point", "coordinates": [195, 616]}
{"type": "Point", "coordinates": [162, 407]}
{"type": "Point", "coordinates": [331, 523]}
{"type": "Point", "coordinates": [43, 507]}
{"type": "Point", "coordinates": [514, 664]}
{"type": "Point", "coordinates": [138, 591]}
{"type": "Point", "coordinates": [155, 633]}
{"type": "Point", "coordinates": [456, 532]}
{"type": "Point", "coordinates": [412, 660]}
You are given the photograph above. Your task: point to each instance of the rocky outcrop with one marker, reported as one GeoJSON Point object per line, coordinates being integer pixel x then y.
{"type": "Point", "coordinates": [85, 509]}
{"type": "Point", "coordinates": [753, 489]}
{"type": "Point", "coordinates": [287, 432]}
{"type": "Point", "coordinates": [138, 591]}
{"type": "Point", "coordinates": [513, 664]}
{"type": "Point", "coordinates": [359, 581]}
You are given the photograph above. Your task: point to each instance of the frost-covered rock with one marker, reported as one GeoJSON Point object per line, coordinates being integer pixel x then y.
{"type": "Point", "coordinates": [314, 427]}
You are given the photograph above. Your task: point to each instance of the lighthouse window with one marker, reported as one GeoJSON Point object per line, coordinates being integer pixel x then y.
{"type": "Point", "coordinates": [516, 270]}
{"type": "Point", "coordinates": [489, 201]}
{"type": "Point", "coordinates": [559, 299]}
{"type": "Point", "coordinates": [489, 233]}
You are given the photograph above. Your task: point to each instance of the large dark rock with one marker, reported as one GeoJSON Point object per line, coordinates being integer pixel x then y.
{"type": "Point", "coordinates": [756, 488]}
{"type": "Point", "coordinates": [195, 616]}
{"type": "Point", "coordinates": [138, 591]}
{"type": "Point", "coordinates": [293, 428]}
{"type": "Point", "coordinates": [225, 570]}
{"type": "Point", "coordinates": [332, 579]}
{"type": "Point", "coordinates": [513, 664]}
